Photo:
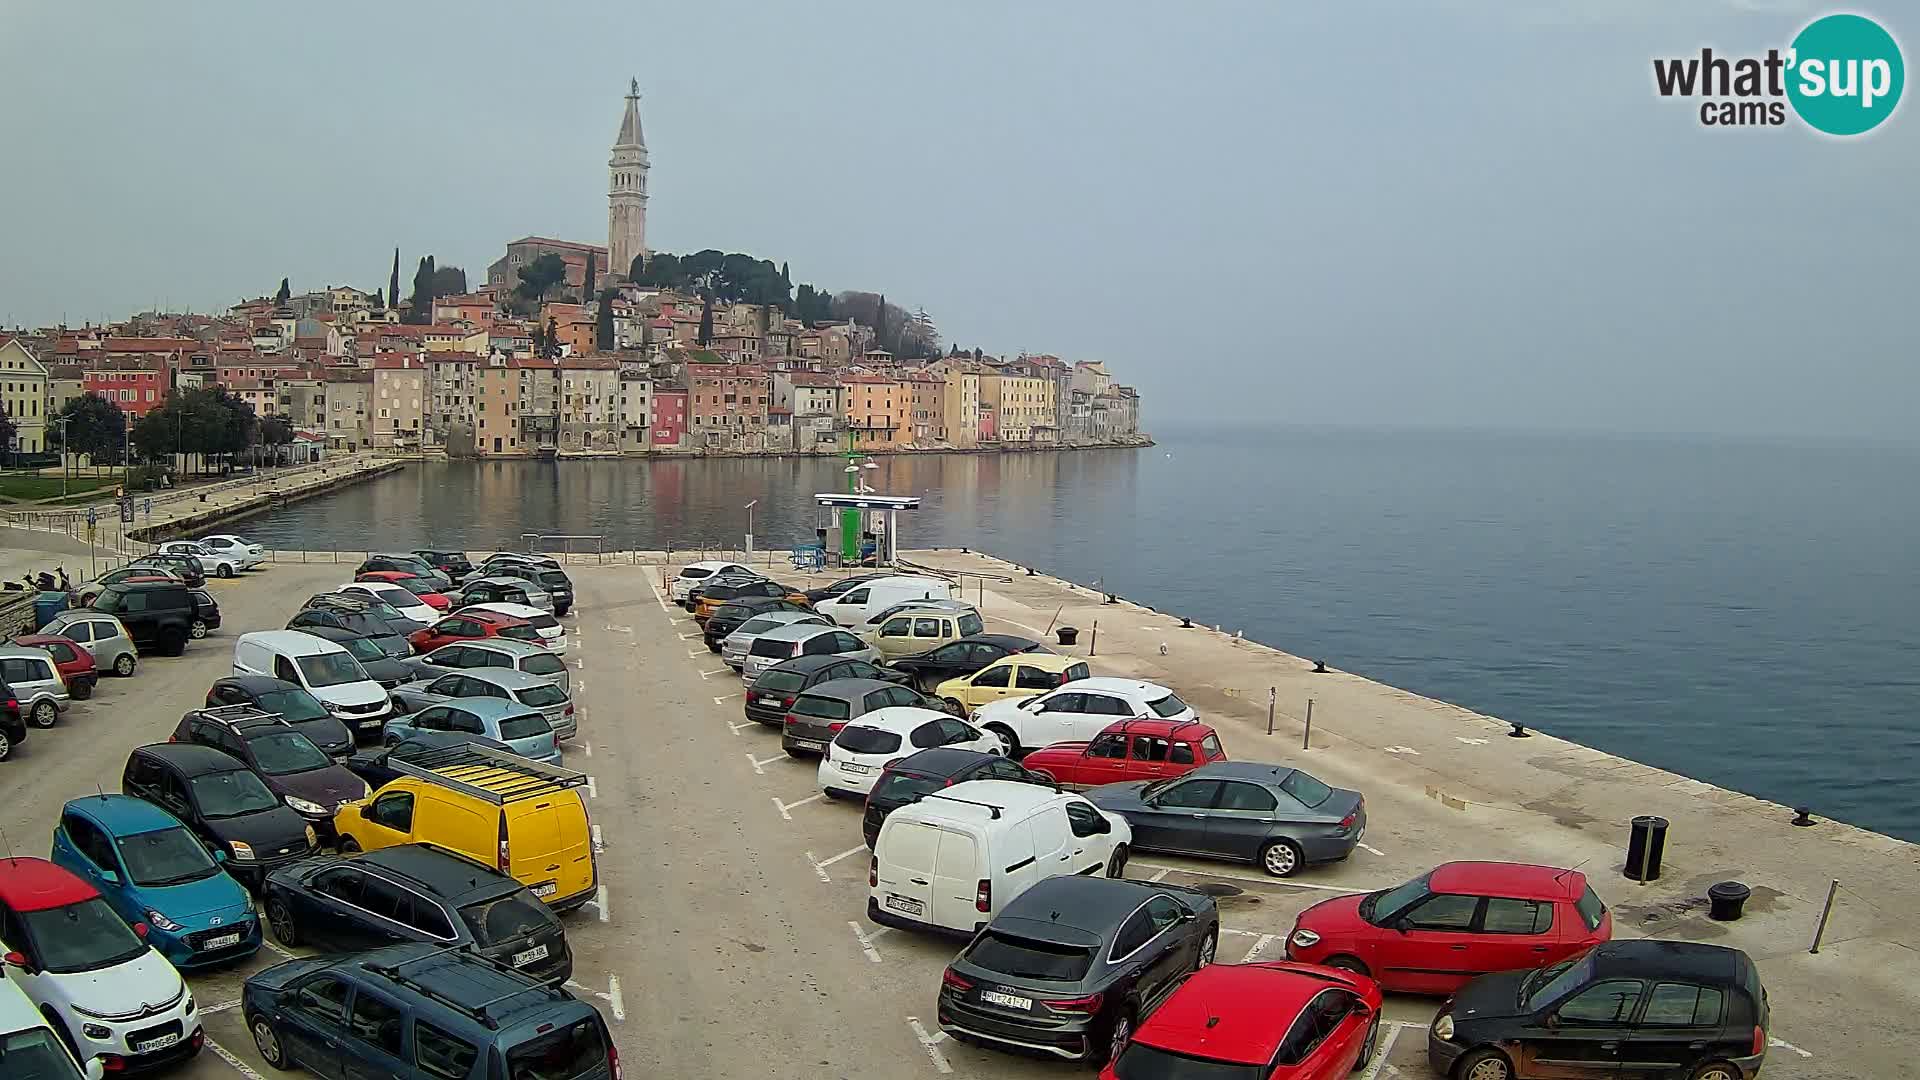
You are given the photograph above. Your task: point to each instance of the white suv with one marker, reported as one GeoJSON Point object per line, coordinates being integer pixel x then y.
{"type": "Point", "coordinates": [237, 548]}
{"type": "Point", "coordinates": [70, 953]}
{"type": "Point", "coordinates": [216, 564]}
{"type": "Point", "coordinates": [864, 748]}
{"type": "Point", "coordinates": [694, 573]}
{"type": "Point", "coordinates": [1078, 711]}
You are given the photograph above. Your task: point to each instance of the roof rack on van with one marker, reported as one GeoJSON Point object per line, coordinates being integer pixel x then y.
{"type": "Point", "coordinates": [235, 715]}
{"type": "Point", "coordinates": [994, 811]}
{"type": "Point", "coordinates": [528, 778]}
{"type": "Point", "coordinates": [480, 1012]}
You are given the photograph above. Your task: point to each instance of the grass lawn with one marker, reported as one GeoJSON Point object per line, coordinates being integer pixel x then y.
{"type": "Point", "coordinates": [33, 485]}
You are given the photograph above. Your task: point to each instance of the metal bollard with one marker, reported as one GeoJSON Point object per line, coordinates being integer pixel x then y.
{"type": "Point", "coordinates": [1306, 736]}
{"type": "Point", "coordinates": [1095, 643]}
{"type": "Point", "coordinates": [1272, 693]}
{"type": "Point", "coordinates": [1821, 930]}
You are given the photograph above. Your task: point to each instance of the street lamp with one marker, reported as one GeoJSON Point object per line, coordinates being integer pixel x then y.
{"type": "Point", "coordinates": [749, 509]}
{"type": "Point", "coordinates": [66, 452]}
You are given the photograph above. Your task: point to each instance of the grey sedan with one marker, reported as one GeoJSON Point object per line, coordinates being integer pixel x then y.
{"type": "Point", "coordinates": [493, 652]}
{"type": "Point", "coordinates": [733, 647]}
{"type": "Point", "coordinates": [522, 729]}
{"type": "Point", "coordinates": [533, 691]}
{"type": "Point", "coordinates": [1277, 818]}
{"type": "Point", "coordinates": [801, 639]}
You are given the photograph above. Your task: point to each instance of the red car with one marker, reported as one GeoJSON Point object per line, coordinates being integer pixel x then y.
{"type": "Point", "coordinates": [413, 583]}
{"type": "Point", "coordinates": [70, 659]}
{"type": "Point", "coordinates": [1274, 1021]}
{"type": "Point", "coordinates": [1454, 923]}
{"type": "Point", "coordinates": [469, 625]}
{"type": "Point", "coordinates": [1149, 749]}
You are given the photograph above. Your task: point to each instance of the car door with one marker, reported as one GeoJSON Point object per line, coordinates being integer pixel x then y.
{"type": "Point", "coordinates": [895, 636]}
{"type": "Point", "coordinates": [1046, 720]}
{"type": "Point", "coordinates": [1055, 849]}
{"type": "Point", "coordinates": [965, 736]}
{"type": "Point", "coordinates": [1433, 951]}
{"type": "Point", "coordinates": [1241, 821]}
{"type": "Point", "coordinates": [332, 912]}
{"type": "Point", "coordinates": [1677, 1027]}
{"type": "Point", "coordinates": [389, 820]}
{"type": "Point", "coordinates": [81, 846]}
{"type": "Point", "coordinates": [1103, 762]}
{"type": "Point", "coordinates": [1513, 934]}
{"type": "Point", "coordinates": [848, 645]}
{"type": "Point", "coordinates": [373, 1049]}
{"type": "Point", "coordinates": [1029, 680]}
{"type": "Point", "coordinates": [1340, 1030]}
{"type": "Point", "coordinates": [1586, 1033]}
{"type": "Point", "coordinates": [1089, 716]}
{"type": "Point", "coordinates": [1169, 954]}
{"type": "Point", "coordinates": [1092, 837]}
{"type": "Point", "coordinates": [314, 1021]}
{"type": "Point", "coordinates": [990, 684]}
{"type": "Point", "coordinates": [1175, 818]}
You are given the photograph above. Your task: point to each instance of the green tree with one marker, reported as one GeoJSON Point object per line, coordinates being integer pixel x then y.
{"type": "Point", "coordinates": [539, 276]}
{"type": "Point", "coordinates": [379, 299]}
{"type": "Point", "coordinates": [448, 281]}
{"type": "Point", "coordinates": [706, 318]}
{"type": "Point", "coordinates": [603, 323]}
{"type": "Point", "coordinates": [7, 433]}
{"type": "Point", "coordinates": [422, 288]}
{"type": "Point", "coordinates": [586, 287]}
{"type": "Point", "coordinates": [393, 282]}
{"type": "Point", "coordinates": [284, 293]}
{"type": "Point", "coordinates": [553, 338]}
{"type": "Point", "coordinates": [92, 425]}
{"type": "Point", "coordinates": [275, 432]}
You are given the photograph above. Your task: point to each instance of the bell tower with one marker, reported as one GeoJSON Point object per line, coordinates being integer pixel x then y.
{"type": "Point", "coordinates": [627, 191]}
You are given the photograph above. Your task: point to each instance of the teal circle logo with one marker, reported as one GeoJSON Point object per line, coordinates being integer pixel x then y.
{"type": "Point", "coordinates": [1846, 74]}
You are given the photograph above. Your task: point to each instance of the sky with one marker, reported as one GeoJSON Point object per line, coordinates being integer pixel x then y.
{"type": "Point", "coordinates": [1446, 213]}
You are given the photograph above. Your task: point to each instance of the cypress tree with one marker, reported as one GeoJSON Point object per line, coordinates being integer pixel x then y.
{"type": "Point", "coordinates": [586, 290]}
{"type": "Point", "coordinates": [393, 282]}
{"type": "Point", "coordinates": [603, 323]}
{"type": "Point", "coordinates": [284, 293]}
{"type": "Point", "coordinates": [706, 319]}
{"type": "Point", "coordinates": [880, 322]}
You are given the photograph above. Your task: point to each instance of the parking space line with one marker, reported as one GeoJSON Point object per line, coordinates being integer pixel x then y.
{"type": "Point", "coordinates": [226, 1055]}
{"type": "Point", "coordinates": [1381, 1053]}
{"type": "Point", "coordinates": [716, 671]}
{"type": "Point", "coordinates": [1258, 947]}
{"type": "Point", "coordinates": [282, 950]}
{"type": "Point", "coordinates": [1375, 850]}
{"type": "Point", "coordinates": [866, 943]}
{"type": "Point", "coordinates": [1160, 875]}
{"type": "Point", "coordinates": [1785, 1045]}
{"type": "Point", "coordinates": [784, 807]}
{"type": "Point", "coordinates": [1281, 882]}
{"type": "Point", "coordinates": [820, 865]}
{"type": "Point", "coordinates": [599, 903]}
{"type": "Point", "coordinates": [724, 698]}
{"type": "Point", "coordinates": [587, 747]}
{"type": "Point", "coordinates": [593, 790]}
{"type": "Point", "coordinates": [616, 1001]}
{"type": "Point", "coordinates": [612, 629]}
{"type": "Point", "coordinates": [693, 654]}
{"type": "Point", "coordinates": [579, 663]}
{"type": "Point", "coordinates": [930, 1043]}
{"type": "Point", "coordinates": [690, 637]}
{"type": "Point", "coordinates": [599, 844]}
{"type": "Point", "coordinates": [759, 765]}
{"type": "Point", "coordinates": [735, 728]}
{"type": "Point", "coordinates": [220, 1006]}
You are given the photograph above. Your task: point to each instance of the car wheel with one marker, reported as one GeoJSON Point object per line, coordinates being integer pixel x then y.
{"type": "Point", "coordinates": [1366, 1048]}
{"type": "Point", "coordinates": [349, 846]}
{"type": "Point", "coordinates": [174, 644]}
{"type": "Point", "coordinates": [281, 917]}
{"type": "Point", "coordinates": [1117, 1037]}
{"type": "Point", "coordinates": [713, 646]}
{"type": "Point", "coordinates": [1280, 858]}
{"type": "Point", "coordinates": [6, 746]}
{"type": "Point", "coordinates": [82, 690]}
{"type": "Point", "coordinates": [1209, 947]}
{"type": "Point", "coordinates": [223, 570]}
{"type": "Point", "coordinates": [197, 630]}
{"type": "Point", "coordinates": [1117, 862]}
{"type": "Point", "coordinates": [123, 665]}
{"type": "Point", "coordinates": [1485, 1064]}
{"type": "Point", "coordinates": [267, 1042]}
{"type": "Point", "coordinates": [1007, 736]}
{"type": "Point", "coordinates": [45, 714]}
{"type": "Point", "coordinates": [953, 706]}
{"type": "Point", "coordinates": [1716, 1070]}
{"type": "Point", "coordinates": [1348, 963]}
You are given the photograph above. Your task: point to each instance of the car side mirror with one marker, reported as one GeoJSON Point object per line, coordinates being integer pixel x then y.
{"type": "Point", "coordinates": [1551, 1020]}
{"type": "Point", "coordinates": [1104, 826]}
{"type": "Point", "coordinates": [109, 877]}
{"type": "Point", "coordinates": [19, 959]}
{"type": "Point", "coordinates": [1362, 1009]}
{"type": "Point", "coordinates": [219, 855]}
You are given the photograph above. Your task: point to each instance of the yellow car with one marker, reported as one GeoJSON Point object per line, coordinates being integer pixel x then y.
{"type": "Point", "coordinates": [523, 817]}
{"type": "Point", "coordinates": [915, 630]}
{"type": "Point", "coordinates": [1018, 676]}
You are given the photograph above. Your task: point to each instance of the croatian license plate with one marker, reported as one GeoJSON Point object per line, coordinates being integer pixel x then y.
{"type": "Point", "coordinates": [160, 1043]}
{"type": "Point", "coordinates": [1011, 1001]}
{"type": "Point", "coordinates": [769, 699]}
{"type": "Point", "coordinates": [546, 890]}
{"type": "Point", "coordinates": [371, 724]}
{"type": "Point", "coordinates": [522, 959]}
{"type": "Point", "coordinates": [810, 744]}
{"type": "Point", "coordinates": [854, 768]}
{"type": "Point", "coordinates": [222, 941]}
{"type": "Point", "coordinates": [906, 906]}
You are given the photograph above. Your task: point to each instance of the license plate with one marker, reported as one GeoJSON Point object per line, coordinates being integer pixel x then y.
{"type": "Point", "coordinates": [769, 699]}
{"type": "Point", "coordinates": [160, 1043]}
{"type": "Point", "coordinates": [371, 723]}
{"type": "Point", "coordinates": [222, 941]}
{"type": "Point", "coordinates": [809, 744]}
{"type": "Point", "coordinates": [522, 959]}
{"type": "Point", "coordinates": [902, 904]}
{"type": "Point", "coordinates": [546, 890]}
{"type": "Point", "coordinates": [854, 768]}
{"type": "Point", "coordinates": [1011, 1001]}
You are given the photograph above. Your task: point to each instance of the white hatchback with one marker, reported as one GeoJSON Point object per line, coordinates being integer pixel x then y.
{"type": "Point", "coordinates": [237, 548]}
{"type": "Point", "coordinates": [1077, 711]}
{"type": "Point", "coordinates": [214, 563]}
{"type": "Point", "coordinates": [552, 634]}
{"type": "Point", "coordinates": [864, 748]}
{"type": "Point", "coordinates": [694, 573]}
{"type": "Point", "coordinates": [402, 601]}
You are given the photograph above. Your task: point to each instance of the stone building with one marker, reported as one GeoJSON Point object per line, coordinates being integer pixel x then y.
{"type": "Point", "coordinates": [627, 191]}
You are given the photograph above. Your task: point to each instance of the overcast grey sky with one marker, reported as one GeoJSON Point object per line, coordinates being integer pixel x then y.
{"type": "Point", "coordinates": [1449, 213]}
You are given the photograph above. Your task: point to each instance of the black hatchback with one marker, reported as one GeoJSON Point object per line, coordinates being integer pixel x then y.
{"type": "Point", "coordinates": [916, 775]}
{"type": "Point", "coordinates": [769, 696]}
{"type": "Point", "coordinates": [1640, 1008]}
{"type": "Point", "coordinates": [416, 893]}
{"type": "Point", "coordinates": [223, 802]}
{"type": "Point", "coordinates": [1071, 966]}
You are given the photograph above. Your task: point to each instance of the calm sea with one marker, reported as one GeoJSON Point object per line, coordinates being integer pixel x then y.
{"type": "Point", "coordinates": [1745, 613]}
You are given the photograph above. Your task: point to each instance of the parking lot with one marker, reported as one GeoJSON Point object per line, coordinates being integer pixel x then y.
{"type": "Point", "coordinates": [729, 937]}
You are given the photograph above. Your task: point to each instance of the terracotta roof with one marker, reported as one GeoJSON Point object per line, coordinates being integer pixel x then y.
{"type": "Point", "coordinates": [813, 379]}
{"type": "Point", "coordinates": [589, 363]}
{"type": "Point", "coordinates": [397, 363]}
{"type": "Point", "coordinates": [565, 245]}
{"type": "Point", "coordinates": [726, 371]}
{"type": "Point", "coordinates": [137, 344]}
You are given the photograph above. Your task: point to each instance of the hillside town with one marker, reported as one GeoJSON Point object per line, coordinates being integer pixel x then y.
{"type": "Point", "coordinates": [577, 350]}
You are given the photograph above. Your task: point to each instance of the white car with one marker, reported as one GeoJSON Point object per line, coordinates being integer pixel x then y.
{"type": "Point", "coordinates": [80, 964]}
{"type": "Point", "coordinates": [733, 647]}
{"type": "Point", "coordinates": [215, 564]}
{"type": "Point", "coordinates": [237, 548]}
{"type": "Point", "coordinates": [864, 748]}
{"type": "Point", "coordinates": [1077, 711]}
{"type": "Point", "coordinates": [406, 603]}
{"type": "Point", "coordinates": [552, 634]}
{"type": "Point", "coordinates": [694, 573]}
{"type": "Point", "coordinates": [29, 1045]}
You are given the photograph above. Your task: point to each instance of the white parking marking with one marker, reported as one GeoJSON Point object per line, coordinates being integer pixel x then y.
{"type": "Point", "coordinates": [1469, 742]}
{"type": "Point", "coordinates": [658, 598]}
{"type": "Point", "coordinates": [715, 671]}
{"type": "Point", "coordinates": [616, 1002]}
{"type": "Point", "coordinates": [820, 865]}
{"type": "Point", "coordinates": [690, 637]}
{"type": "Point", "coordinates": [593, 790]}
{"type": "Point", "coordinates": [930, 1043]}
{"type": "Point", "coordinates": [226, 1055]}
{"type": "Point", "coordinates": [220, 1006]}
{"type": "Point", "coordinates": [735, 728]}
{"type": "Point", "coordinates": [1785, 1045]}
{"type": "Point", "coordinates": [784, 807]}
{"type": "Point", "coordinates": [579, 663]}
{"type": "Point", "coordinates": [1159, 875]}
{"type": "Point", "coordinates": [759, 764]}
{"type": "Point", "coordinates": [1281, 882]}
{"type": "Point", "coordinates": [599, 903]}
{"type": "Point", "coordinates": [599, 842]}
{"type": "Point", "coordinates": [1259, 947]}
{"type": "Point", "coordinates": [866, 942]}
{"type": "Point", "coordinates": [724, 698]}
{"type": "Point", "coordinates": [588, 748]}
{"type": "Point", "coordinates": [1381, 1052]}
{"type": "Point", "coordinates": [1401, 750]}
{"type": "Point", "coordinates": [694, 654]}
{"type": "Point", "coordinates": [611, 629]}
{"type": "Point", "coordinates": [282, 950]}
{"type": "Point", "coordinates": [1375, 850]}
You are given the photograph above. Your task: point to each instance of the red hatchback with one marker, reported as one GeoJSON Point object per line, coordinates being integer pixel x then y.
{"type": "Point", "coordinates": [1149, 749]}
{"type": "Point", "coordinates": [413, 583]}
{"type": "Point", "coordinates": [470, 625]}
{"type": "Point", "coordinates": [1454, 923]}
{"type": "Point", "coordinates": [1274, 1021]}
{"type": "Point", "coordinates": [70, 658]}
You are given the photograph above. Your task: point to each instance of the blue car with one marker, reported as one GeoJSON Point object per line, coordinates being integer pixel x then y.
{"type": "Point", "coordinates": [155, 872]}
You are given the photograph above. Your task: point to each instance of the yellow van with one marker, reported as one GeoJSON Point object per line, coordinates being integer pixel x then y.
{"type": "Point", "coordinates": [526, 818]}
{"type": "Point", "coordinates": [912, 629]}
{"type": "Point", "coordinates": [1018, 676]}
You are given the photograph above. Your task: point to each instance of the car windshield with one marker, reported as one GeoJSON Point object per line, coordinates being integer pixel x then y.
{"type": "Point", "coordinates": [417, 586]}
{"type": "Point", "coordinates": [1305, 789]}
{"type": "Point", "coordinates": [544, 696]}
{"type": "Point", "coordinates": [544, 664]}
{"type": "Point", "coordinates": [780, 682]}
{"type": "Point", "coordinates": [1388, 902]}
{"type": "Point", "coordinates": [526, 726]}
{"type": "Point", "coordinates": [860, 739]}
{"type": "Point", "coordinates": [508, 918]}
{"type": "Point", "coordinates": [293, 704]}
{"type": "Point", "coordinates": [554, 579]}
{"type": "Point", "coordinates": [35, 1054]}
{"type": "Point", "coordinates": [1024, 958]}
{"type": "Point", "coordinates": [1171, 705]}
{"type": "Point", "coordinates": [230, 794]}
{"type": "Point", "coordinates": [578, 1050]}
{"type": "Point", "coordinates": [1550, 982]}
{"type": "Point", "coordinates": [81, 937]}
{"type": "Point", "coordinates": [362, 648]}
{"type": "Point", "coordinates": [165, 857]}
{"type": "Point", "coordinates": [392, 645]}
{"type": "Point", "coordinates": [1142, 1062]}
{"type": "Point", "coordinates": [332, 669]}
{"type": "Point", "coordinates": [279, 753]}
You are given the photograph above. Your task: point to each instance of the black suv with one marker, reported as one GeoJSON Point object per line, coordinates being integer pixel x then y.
{"type": "Point", "coordinates": [1645, 1008]}
{"type": "Point", "coordinates": [223, 802]}
{"type": "Point", "coordinates": [414, 892]}
{"type": "Point", "coordinates": [1072, 965]}
{"type": "Point", "coordinates": [157, 614]}
{"type": "Point", "coordinates": [906, 780]}
{"type": "Point", "coordinates": [770, 695]}
{"type": "Point", "coordinates": [289, 701]}
{"type": "Point", "coordinates": [386, 628]}
{"type": "Point", "coordinates": [454, 564]}
{"type": "Point", "coordinates": [286, 761]}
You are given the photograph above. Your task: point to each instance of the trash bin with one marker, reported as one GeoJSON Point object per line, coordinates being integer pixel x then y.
{"type": "Point", "coordinates": [1068, 634]}
{"type": "Point", "coordinates": [46, 606]}
{"type": "Point", "coordinates": [1726, 899]}
{"type": "Point", "coordinates": [1645, 845]}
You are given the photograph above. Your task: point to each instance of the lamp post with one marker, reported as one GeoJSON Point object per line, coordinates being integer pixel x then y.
{"type": "Point", "coordinates": [66, 452]}
{"type": "Point", "coordinates": [749, 509]}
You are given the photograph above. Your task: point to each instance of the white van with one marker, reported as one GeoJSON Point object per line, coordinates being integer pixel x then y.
{"type": "Point", "coordinates": [324, 667]}
{"type": "Point", "coordinates": [949, 862]}
{"type": "Point", "coordinates": [29, 1044]}
{"type": "Point", "coordinates": [855, 606]}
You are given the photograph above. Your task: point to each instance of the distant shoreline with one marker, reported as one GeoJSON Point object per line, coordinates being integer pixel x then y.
{"type": "Point", "coordinates": [1140, 442]}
